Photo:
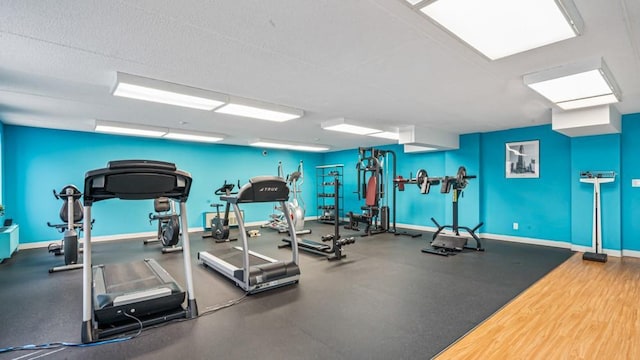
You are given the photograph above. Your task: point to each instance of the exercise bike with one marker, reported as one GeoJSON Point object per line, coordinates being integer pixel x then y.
{"type": "Point", "coordinates": [219, 225]}
{"type": "Point", "coordinates": [71, 214]}
{"type": "Point", "coordinates": [168, 225]}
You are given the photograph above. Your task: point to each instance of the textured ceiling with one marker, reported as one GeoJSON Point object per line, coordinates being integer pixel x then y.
{"type": "Point", "coordinates": [374, 61]}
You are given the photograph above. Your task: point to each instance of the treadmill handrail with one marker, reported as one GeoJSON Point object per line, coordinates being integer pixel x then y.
{"type": "Point", "coordinates": [138, 180]}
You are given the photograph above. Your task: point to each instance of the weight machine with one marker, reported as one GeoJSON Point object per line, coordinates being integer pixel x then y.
{"type": "Point", "coordinates": [446, 244]}
{"type": "Point", "coordinates": [372, 186]}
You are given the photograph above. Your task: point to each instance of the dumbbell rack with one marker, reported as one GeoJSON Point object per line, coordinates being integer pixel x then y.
{"type": "Point", "coordinates": [328, 208]}
{"type": "Point", "coordinates": [333, 252]}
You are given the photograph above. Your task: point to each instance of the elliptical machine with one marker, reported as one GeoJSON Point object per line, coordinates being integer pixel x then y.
{"type": "Point", "coordinates": [168, 225]}
{"type": "Point", "coordinates": [295, 205]}
{"type": "Point", "coordinates": [71, 214]}
{"type": "Point", "coordinates": [220, 226]}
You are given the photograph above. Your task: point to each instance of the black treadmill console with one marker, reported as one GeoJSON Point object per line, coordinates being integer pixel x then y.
{"type": "Point", "coordinates": [136, 180]}
{"type": "Point", "coordinates": [152, 164]}
{"type": "Point", "coordinates": [261, 189]}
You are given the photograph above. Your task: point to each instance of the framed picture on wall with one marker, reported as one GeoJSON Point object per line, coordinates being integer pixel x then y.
{"type": "Point", "coordinates": [522, 159]}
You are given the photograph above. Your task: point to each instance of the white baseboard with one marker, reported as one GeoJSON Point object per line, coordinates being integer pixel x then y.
{"type": "Point", "coordinates": [581, 248]}
{"type": "Point", "coordinates": [610, 252]}
{"type": "Point", "coordinates": [560, 244]}
{"type": "Point", "coordinates": [631, 253]}
{"type": "Point", "coordinates": [517, 239]}
{"type": "Point", "coordinates": [147, 234]}
{"type": "Point", "coordinates": [417, 227]}
{"type": "Point", "coordinates": [527, 240]}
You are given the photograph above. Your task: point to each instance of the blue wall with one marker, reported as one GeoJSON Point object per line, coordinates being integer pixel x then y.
{"type": "Point", "coordinates": [541, 206]}
{"type": "Point", "coordinates": [39, 160]}
{"type": "Point", "coordinates": [1, 162]}
{"type": "Point", "coordinates": [630, 161]}
{"type": "Point", "coordinates": [554, 207]}
{"type": "Point", "coordinates": [469, 156]}
{"type": "Point", "coordinates": [595, 153]}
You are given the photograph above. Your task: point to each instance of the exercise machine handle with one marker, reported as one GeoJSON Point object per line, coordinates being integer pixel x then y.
{"type": "Point", "coordinates": [226, 189]}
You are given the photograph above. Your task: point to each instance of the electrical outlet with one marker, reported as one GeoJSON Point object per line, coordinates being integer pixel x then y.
{"type": "Point", "coordinates": [515, 226]}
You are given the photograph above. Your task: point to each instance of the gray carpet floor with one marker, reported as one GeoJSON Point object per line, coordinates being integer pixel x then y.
{"type": "Point", "coordinates": [385, 300]}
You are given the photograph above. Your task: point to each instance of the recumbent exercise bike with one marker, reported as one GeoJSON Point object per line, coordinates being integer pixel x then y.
{"type": "Point", "coordinates": [71, 213]}
{"type": "Point", "coordinates": [168, 225]}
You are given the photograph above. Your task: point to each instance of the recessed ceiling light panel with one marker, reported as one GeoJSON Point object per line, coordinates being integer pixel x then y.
{"type": "Point", "coordinates": [500, 28]}
{"type": "Point", "coordinates": [581, 84]}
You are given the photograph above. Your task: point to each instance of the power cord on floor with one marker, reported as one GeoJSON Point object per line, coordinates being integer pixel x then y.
{"type": "Point", "coordinates": [54, 345]}
{"type": "Point", "coordinates": [211, 309]}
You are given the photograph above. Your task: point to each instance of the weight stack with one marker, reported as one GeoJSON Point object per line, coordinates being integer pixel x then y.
{"type": "Point", "coordinates": [384, 218]}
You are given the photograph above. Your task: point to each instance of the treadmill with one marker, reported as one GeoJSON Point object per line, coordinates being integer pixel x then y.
{"type": "Point", "coordinates": [116, 296]}
{"type": "Point", "coordinates": [251, 271]}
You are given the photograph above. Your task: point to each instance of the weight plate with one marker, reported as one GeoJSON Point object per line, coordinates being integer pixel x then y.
{"type": "Point", "coordinates": [461, 177]}
{"type": "Point", "coordinates": [421, 177]}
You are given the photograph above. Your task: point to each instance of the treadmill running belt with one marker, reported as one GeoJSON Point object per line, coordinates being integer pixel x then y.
{"type": "Point", "coordinates": [234, 257]}
{"type": "Point", "coordinates": [129, 277]}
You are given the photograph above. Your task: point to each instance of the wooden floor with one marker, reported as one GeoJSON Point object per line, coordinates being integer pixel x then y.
{"type": "Point", "coordinates": [581, 310]}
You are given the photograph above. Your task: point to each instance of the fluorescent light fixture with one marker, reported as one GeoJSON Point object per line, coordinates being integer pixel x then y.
{"type": "Point", "coordinates": [500, 28]}
{"type": "Point", "coordinates": [342, 125]}
{"type": "Point", "coordinates": [416, 148]}
{"type": "Point", "coordinates": [259, 110]}
{"type": "Point", "coordinates": [113, 127]}
{"type": "Point", "coordinates": [421, 138]}
{"type": "Point", "coordinates": [577, 85]}
{"type": "Point", "coordinates": [588, 102]}
{"type": "Point", "coordinates": [288, 146]}
{"type": "Point", "coordinates": [413, 2]}
{"type": "Point", "coordinates": [141, 88]}
{"type": "Point", "coordinates": [193, 136]}
{"type": "Point", "coordinates": [387, 135]}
